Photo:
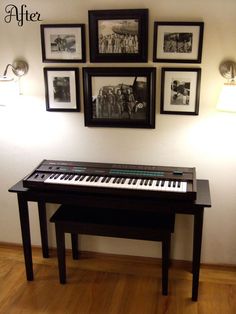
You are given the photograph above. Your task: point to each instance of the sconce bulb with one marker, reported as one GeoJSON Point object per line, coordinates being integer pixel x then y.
{"type": "Point", "coordinates": [5, 78]}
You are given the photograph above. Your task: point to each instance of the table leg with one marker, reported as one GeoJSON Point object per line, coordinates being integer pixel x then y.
{"type": "Point", "coordinates": [25, 231]}
{"type": "Point", "coordinates": [197, 244]}
{"type": "Point", "coordinates": [43, 228]}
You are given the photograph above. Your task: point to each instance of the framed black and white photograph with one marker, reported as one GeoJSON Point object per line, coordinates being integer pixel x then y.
{"type": "Point", "coordinates": [62, 89]}
{"type": "Point", "coordinates": [63, 42]}
{"type": "Point", "coordinates": [180, 90]}
{"type": "Point", "coordinates": [118, 35]}
{"type": "Point", "coordinates": [178, 42]}
{"type": "Point", "coordinates": [119, 97]}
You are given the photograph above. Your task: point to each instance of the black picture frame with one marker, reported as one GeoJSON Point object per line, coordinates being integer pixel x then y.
{"type": "Point", "coordinates": [178, 42]}
{"type": "Point", "coordinates": [180, 91]}
{"type": "Point", "coordinates": [117, 26]}
{"type": "Point", "coordinates": [127, 97]}
{"type": "Point", "coordinates": [63, 43]}
{"type": "Point", "coordinates": [62, 89]}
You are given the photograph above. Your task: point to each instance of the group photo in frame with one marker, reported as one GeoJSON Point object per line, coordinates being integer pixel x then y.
{"type": "Point", "coordinates": [180, 90]}
{"type": "Point", "coordinates": [118, 35]}
{"type": "Point", "coordinates": [62, 91]}
{"type": "Point", "coordinates": [63, 42]}
{"type": "Point", "coordinates": [178, 42]}
{"type": "Point", "coordinates": [119, 97]}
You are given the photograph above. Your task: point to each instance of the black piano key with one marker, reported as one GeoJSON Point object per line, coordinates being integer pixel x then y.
{"type": "Point", "coordinates": [104, 179]}
{"type": "Point", "coordinates": [179, 184]}
{"type": "Point", "coordinates": [150, 182]}
{"type": "Point", "coordinates": [134, 181]}
{"type": "Point", "coordinates": [71, 177]}
{"type": "Point", "coordinates": [77, 177]}
{"type": "Point", "coordinates": [108, 179]}
{"type": "Point", "coordinates": [162, 183]}
{"type": "Point", "coordinates": [92, 179]}
{"type": "Point", "coordinates": [81, 178]}
{"type": "Point", "coordinates": [123, 180]}
{"type": "Point", "coordinates": [130, 181]}
{"type": "Point", "coordinates": [88, 178]}
{"type": "Point", "coordinates": [96, 178]}
{"type": "Point", "coordinates": [63, 176]}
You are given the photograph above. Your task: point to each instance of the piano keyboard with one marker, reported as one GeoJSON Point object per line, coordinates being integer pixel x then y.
{"type": "Point", "coordinates": [118, 182]}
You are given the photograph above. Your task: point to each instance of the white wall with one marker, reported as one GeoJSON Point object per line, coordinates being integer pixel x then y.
{"type": "Point", "coordinates": [29, 134]}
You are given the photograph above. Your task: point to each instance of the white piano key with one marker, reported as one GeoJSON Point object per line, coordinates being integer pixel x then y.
{"type": "Point", "coordinates": [184, 186]}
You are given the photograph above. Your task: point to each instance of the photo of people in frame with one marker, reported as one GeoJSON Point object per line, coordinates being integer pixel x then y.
{"type": "Point", "coordinates": [61, 89]}
{"type": "Point", "coordinates": [180, 92]}
{"type": "Point", "coordinates": [62, 43]}
{"type": "Point", "coordinates": [121, 100]}
{"type": "Point", "coordinates": [178, 42]}
{"type": "Point", "coordinates": [118, 36]}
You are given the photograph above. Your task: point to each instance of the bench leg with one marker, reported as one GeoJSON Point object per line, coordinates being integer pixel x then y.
{"type": "Point", "coordinates": [61, 253]}
{"type": "Point", "coordinates": [74, 245]}
{"type": "Point", "coordinates": [165, 263]}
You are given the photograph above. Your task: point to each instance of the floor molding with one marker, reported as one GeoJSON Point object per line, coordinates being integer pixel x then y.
{"type": "Point", "coordinates": [179, 264]}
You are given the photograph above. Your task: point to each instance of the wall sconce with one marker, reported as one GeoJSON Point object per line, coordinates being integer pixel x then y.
{"type": "Point", "coordinates": [19, 68]}
{"type": "Point", "coordinates": [9, 85]}
{"type": "Point", "coordinates": [227, 99]}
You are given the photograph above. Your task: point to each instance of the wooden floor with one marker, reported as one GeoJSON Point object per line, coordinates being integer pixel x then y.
{"type": "Point", "coordinates": [107, 284]}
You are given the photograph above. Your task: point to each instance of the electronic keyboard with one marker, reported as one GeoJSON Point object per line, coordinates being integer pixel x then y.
{"type": "Point", "coordinates": [126, 179]}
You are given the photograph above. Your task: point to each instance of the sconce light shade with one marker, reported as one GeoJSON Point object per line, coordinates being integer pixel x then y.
{"type": "Point", "coordinates": [227, 99]}
{"type": "Point", "coordinates": [9, 91]}
{"type": "Point", "coordinates": [9, 86]}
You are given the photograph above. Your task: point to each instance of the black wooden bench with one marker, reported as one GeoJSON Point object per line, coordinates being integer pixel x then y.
{"type": "Point", "coordinates": [154, 226]}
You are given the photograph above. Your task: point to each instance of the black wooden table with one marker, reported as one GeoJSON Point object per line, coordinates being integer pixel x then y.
{"type": "Point", "coordinates": [188, 207]}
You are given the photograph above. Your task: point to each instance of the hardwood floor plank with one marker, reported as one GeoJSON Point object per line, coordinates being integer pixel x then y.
{"type": "Point", "coordinates": [108, 284]}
